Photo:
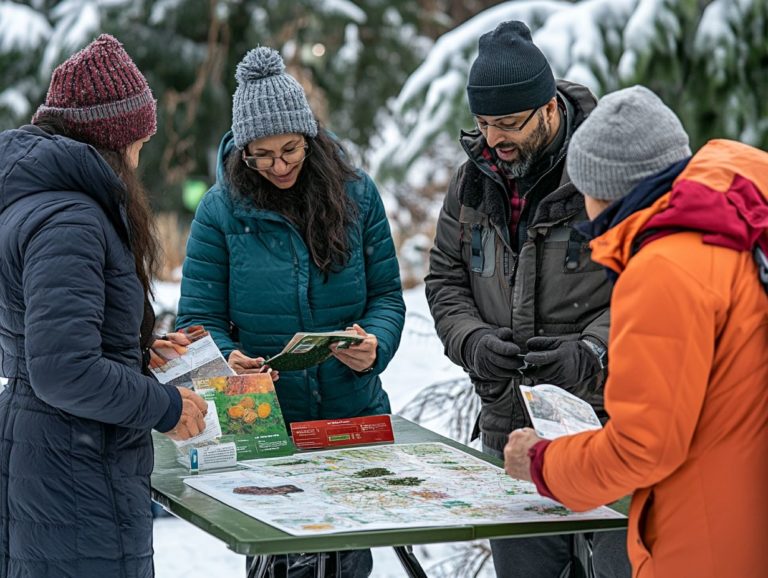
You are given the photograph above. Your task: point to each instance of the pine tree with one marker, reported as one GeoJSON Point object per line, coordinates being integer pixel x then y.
{"type": "Point", "coordinates": [350, 57]}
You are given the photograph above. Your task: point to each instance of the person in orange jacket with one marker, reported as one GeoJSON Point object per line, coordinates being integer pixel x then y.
{"type": "Point", "coordinates": [688, 390]}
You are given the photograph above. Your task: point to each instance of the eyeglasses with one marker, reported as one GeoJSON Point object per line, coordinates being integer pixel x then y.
{"type": "Point", "coordinates": [511, 126]}
{"type": "Point", "coordinates": [290, 157]}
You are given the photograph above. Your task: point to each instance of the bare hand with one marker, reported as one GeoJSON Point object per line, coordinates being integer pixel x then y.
{"type": "Point", "coordinates": [194, 332]}
{"type": "Point", "coordinates": [517, 464]}
{"type": "Point", "coordinates": [360, 356]}
{"type": "Point", "coordinates": [162, 350]}
{"type": "Point", "coordinates": [242, 364]}
{"type": "Point", "coordinates": [192, 420]}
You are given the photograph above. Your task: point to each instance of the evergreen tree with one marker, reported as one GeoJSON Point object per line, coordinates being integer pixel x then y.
{"type": "Point", "coordinates": [705, 58]}
{"type": "Point", "coordinates": [351, 57]}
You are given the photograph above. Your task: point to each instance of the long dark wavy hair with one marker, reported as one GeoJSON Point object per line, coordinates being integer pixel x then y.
{"type": "Point", "coordinates": [317, 204]}
{"type": "Point", "coordinates": [144, 245]}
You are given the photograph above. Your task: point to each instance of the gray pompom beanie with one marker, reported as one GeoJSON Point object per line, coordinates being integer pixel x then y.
{"type": "Point", "coordinates": [268, 101]}
{"type": "Point", "coordinates": [631, 135]}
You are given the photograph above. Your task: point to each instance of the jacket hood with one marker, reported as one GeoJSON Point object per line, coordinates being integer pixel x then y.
{"type": "Point", "coordinates": [36, 162]}
{"type": "Point", "coordinates": [226, 146]}
{"type": "Point", "coordinates": [722, 193]}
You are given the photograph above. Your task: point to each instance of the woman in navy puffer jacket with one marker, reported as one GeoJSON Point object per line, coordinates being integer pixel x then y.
{"type": "Point", "coordinates": [76, 254]}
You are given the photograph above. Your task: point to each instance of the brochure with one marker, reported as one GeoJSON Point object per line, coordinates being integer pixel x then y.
{"type": "Point", "coordinates": [307, 349]}
{"type": "Point", "coordinates": [326, 433]}
{"type": "Point", "coordinates": [202, 359]}
{"type": "Point", "coordinates": [555, 412]}
{"type": "Point", "coordinates": [244, 421]}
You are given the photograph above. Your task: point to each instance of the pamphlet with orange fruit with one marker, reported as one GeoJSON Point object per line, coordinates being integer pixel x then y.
{"type": "Point", "coordinates": [248, 422]}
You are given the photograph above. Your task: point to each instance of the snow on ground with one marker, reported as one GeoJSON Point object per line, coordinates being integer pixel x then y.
{"type": "Point", "coordinates": [183, 551]}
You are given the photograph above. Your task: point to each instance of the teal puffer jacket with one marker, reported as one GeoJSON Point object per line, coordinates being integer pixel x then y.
{"type": "Point", "coordinates": [250, 268]}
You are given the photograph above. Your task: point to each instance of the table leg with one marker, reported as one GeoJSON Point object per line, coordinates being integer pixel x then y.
{"type": "Point", "coordinates": [329, 563]}
{"type": "Point", "coordinates": [260, 566]}
{"type": "Point", "coordinates": [412, 567]}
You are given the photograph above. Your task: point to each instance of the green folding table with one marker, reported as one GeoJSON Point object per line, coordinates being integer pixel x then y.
{"type": "Point", "coordinates": [249, 536]}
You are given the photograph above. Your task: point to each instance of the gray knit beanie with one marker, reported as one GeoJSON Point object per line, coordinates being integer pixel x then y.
{"type": "Point", "coordinates": [268, 101]}
{"type": "Point", "coordinates": [630, 136]}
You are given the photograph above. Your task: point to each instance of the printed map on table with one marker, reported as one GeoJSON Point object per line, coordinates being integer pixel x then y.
{"type": "Point", "coordinates": [381, 487]}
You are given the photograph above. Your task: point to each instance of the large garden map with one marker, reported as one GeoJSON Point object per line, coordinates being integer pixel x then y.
{"type": "Point", "coordinates": [380, 487]}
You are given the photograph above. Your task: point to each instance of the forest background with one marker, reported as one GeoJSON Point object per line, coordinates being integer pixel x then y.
{"type": "Point", "coordinates": [387, 77]}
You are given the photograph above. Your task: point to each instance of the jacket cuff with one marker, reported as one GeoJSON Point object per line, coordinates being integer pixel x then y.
{"type": "Point", "coordinates": [536, 453]}
{"type": "Point", "coordinates": [173, 413]}
{"type": "Point", "coordinates": [598, 348]}
{"type": "Point", "coordinates": [383, 357]}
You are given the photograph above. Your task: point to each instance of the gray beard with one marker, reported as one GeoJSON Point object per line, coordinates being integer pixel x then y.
{"type": "Point", "coordinates": [528, 154]}
{"type": "Point", "coordinates": [517, 169]}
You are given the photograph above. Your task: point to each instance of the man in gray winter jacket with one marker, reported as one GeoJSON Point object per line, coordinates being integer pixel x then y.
{"type": "Point", "coordinates": [514, 294]}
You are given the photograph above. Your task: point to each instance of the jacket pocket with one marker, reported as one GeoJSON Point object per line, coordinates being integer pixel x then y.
{"type": "Point", "coordinates": [578, 258]}
{"type": "Point", "coordinates": [639, 553]}
{"type": "Point", "coordinates": [478, 239]}
{"type": "Point", "coordinates": [572, 290]}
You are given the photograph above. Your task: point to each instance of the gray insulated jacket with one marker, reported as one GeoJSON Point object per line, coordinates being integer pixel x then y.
{"type": "Point", "coordinates": [541, 283]}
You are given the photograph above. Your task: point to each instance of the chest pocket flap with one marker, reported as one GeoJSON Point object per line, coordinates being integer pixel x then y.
{"type": "Point", "coordinates": [481, 238]}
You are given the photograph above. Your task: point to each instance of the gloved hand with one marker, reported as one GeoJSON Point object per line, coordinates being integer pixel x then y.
{"type": "Point", "coordinates": [492, 354]}
{"type": "Point", "coordinates": [566, 363]}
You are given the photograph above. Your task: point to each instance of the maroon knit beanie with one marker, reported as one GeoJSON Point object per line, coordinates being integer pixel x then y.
{"type": "Point", "coordinates": [101, 96]}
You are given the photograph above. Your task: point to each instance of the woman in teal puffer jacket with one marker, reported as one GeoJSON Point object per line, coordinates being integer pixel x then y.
{"type": "Point", "coordinates": [291, 238]}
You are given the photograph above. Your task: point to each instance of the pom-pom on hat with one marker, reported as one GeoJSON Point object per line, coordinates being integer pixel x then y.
{"type": "Point", "coordinates": [101, 97]}
{"type": "Point", "coordinates": [268, 101]}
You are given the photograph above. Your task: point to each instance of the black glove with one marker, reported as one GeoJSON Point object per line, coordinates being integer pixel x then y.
{"type": "Point", "coordinates": [492, 355]}
{"type": "Point", "coordinates": [566, 363]}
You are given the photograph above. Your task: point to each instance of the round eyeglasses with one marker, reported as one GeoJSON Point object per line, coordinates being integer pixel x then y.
{"type": "Point", "coordinates": [290, 157]}
{"type": "Point", "coordinates": [504, 123]}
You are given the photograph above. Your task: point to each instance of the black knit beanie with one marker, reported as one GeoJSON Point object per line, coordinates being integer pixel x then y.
{"type": "Point", "coordinates": [510, 73]}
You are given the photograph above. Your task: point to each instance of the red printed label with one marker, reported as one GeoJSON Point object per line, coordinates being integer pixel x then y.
{"type": "Point", "coordinates": [342, 432]}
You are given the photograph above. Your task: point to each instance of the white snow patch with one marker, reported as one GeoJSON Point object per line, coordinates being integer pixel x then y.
{"type": "Point", "coordinates": [641, 26]}
{"type": "Point", "coordinates": [160, 9]}
{"type": "Point", "coordinates": [343, 8]}
{"type": "Point", "coordinates": [15, 100]}
{"type": "Point", "coordinates": [350, 51]}
{"type": "Point", "coordinates": [23, 28]}
{"type": "Point", "coordinates": [436, 112]}
{"type": "Point", "coordinates": [77, 23]}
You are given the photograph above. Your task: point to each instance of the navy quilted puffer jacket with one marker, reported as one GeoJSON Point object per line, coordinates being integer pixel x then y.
{"type": "Point", "coordinates": [75, 418]}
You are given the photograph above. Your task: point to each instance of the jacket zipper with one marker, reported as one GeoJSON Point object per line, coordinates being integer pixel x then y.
{"type": "Point", "coordinates": [5, 456]}
{"type": "Point", "coordinates": [110, 489]}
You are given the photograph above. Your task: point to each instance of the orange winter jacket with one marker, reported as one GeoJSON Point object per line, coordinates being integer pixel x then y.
{"type": "Point", "coordinates": [687, 394]}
